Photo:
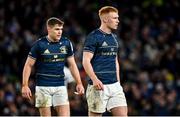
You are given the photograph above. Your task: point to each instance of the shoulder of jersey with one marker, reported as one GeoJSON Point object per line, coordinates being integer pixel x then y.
{"type": "Point", "coordinates": [93, 33]}
{"type": "Point", "coordinates": [114, 35]}
{"type": "Point", "coordinates": [41, 39]}
{"type": "Point", "coordinates": [65, 39]}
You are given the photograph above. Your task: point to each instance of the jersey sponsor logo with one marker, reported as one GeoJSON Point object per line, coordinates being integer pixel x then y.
{"type": "Point", "coordinates": [108, 53]}
{"type": "Point", "coordinates": [63, 50]}
{"type": "Point", "coordinates": [46, 51]}
{"type": "Point", "coordinates": [54, 60]}
{"type": "Point", "coordinates": [112, 49]}
{"type": "Point", "coordinates": [104, 44]}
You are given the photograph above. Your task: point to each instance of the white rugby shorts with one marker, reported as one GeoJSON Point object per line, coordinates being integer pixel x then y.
{"type": "Point", "coordinates": [112, 96]}
{"type": "Point", "coordinates": [51, 96]}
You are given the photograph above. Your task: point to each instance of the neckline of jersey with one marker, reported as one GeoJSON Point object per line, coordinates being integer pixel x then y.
{"type": "Point", "coordinates": [51, 41]}
{"type": "Point", "coordinates": [104, 32]}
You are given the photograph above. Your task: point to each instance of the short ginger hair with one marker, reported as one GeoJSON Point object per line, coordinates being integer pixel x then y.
{"type": "Point", "coordinates": [107, 9]}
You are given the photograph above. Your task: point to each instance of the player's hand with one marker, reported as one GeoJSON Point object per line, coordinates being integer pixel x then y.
{"type": "Point", "coordinates": [79, 89]}
{"type": "Point", "coordinates": [98, 84]}
{"type": "Point", "coordinates": [26, 92]}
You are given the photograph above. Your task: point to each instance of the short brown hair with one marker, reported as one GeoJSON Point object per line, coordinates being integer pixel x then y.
{"type": "Point", "coordinates": [107, 9]}
{"type": "Point", "coordinates": [53, 21]}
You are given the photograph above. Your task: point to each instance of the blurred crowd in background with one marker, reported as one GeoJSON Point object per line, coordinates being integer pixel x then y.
{"type": "Point", "coordinates": [149, 35]}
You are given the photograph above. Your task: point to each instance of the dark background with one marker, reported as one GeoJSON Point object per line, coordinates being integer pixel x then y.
{"type": "Point", "coordinates": [149, 35]}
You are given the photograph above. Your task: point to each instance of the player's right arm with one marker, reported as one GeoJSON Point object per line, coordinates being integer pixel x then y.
{"type": "Point", "coordinates": [26, 92]}
{"type": "Point", "coordinates": [87, 56]}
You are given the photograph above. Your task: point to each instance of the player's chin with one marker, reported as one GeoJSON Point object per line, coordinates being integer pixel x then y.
{"type": "Point", "coordinates": [58, 37]}
{"type": "Point", "coordinates": [114, 28]}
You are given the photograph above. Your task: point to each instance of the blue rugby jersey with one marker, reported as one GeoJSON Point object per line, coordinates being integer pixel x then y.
{"type": "Point", "coordinates": [104, 47]}
{"type": "Point", "coordinates": [50, 60]}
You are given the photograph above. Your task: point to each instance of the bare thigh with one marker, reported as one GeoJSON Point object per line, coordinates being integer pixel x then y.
{"type": "Point", "coordinates": [94, 114]}
{"type": "Point", "coordinates": [119, 111]}
{"type": "Point", "coordinates": [62, 110]}
{"type": "Point", "coordinates": [45, 111]}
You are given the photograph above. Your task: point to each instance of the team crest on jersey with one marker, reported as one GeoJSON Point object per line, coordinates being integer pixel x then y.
{"type": "Point", "coordinates": [63, 50]}
{"type": "Point", "coordinates": [104, 44]}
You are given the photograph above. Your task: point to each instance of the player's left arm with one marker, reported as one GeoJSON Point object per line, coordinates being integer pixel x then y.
{"type": "Point", "coordinates": [117, 69]}
{"type": "Point", "coordinates": [75, 73]}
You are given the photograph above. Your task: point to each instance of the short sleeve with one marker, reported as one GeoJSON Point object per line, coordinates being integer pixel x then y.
{"type": "Point", "coordinates": [90, 44]}
{"type": "Point", "coordinates": [34, 51]}
{"type": "Point", "coordinates": [70, 51]}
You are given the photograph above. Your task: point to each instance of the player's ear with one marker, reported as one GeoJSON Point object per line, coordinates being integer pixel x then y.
{"type": "Point", "coordinates": [48, 28]}
{"type": "Point", "coordinates": [105, 19]}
